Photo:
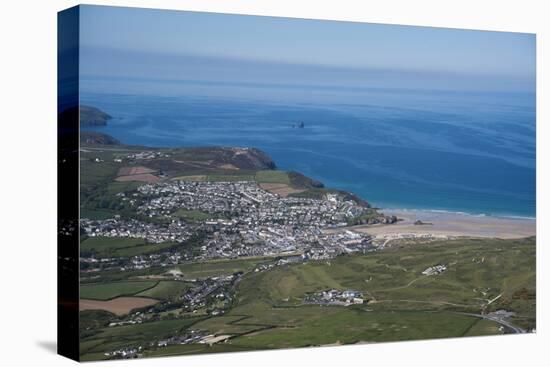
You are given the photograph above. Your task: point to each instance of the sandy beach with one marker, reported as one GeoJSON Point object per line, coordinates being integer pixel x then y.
{"type": "Point", "coordinates": [445, 224]}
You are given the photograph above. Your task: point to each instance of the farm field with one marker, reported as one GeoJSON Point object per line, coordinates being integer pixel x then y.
{"type": "Point", "coordinates": [192, 178]}
{"type": "Point", "coordinates": [166, 290]}
{"type": "Point", "coordinates": [271, 176]}
{"type": "Point", "coordinates": [282, 190]}
{"type": "Point", "coordinates": [145, 177]}
{"type": "Point", "coordinates": [351, 326]}
{"type": "Point", "coordinates": [117, 306]}
{"type": "Point", "coordinates": [106, 291]}
{"type": "Point", "coordinates": [116, 246]}
{"type": "Point", "coordinates": [192, 215]}
{"type": "Point", "coordinates": [229, 178]}
{"type": "Point", "coordinates": [484, 327]}
{"type": "Point", "coordinates": [115, 187]}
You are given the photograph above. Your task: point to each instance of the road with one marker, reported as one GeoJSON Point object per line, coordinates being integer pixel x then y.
{"type": "Point", "coordinates": [498, 320]}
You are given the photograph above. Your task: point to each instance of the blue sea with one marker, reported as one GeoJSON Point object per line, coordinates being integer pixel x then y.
{"type": "Point", "coordinates": [471, 152]}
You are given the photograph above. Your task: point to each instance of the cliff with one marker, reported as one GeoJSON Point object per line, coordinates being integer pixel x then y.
{"type": "Point", "coordinates": [92, 137]}
{"type": "Point", "coordinates": [92, 116]}
{"type": "Point", "coordinates": [89, 116]}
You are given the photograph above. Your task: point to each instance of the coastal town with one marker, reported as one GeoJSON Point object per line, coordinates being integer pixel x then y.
{"type": "Point", "coordinates": [238, 219]}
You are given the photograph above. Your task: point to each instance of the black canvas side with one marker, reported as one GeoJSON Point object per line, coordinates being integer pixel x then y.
{"type": "Point", "coordinates": [68, 184]}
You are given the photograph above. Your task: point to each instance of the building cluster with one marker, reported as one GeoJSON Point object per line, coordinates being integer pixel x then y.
{"type": "Point", "coordinates": [189, 337]}
{"type": "Point", "coordinates": [124, 353]}
{"type": "Point", "coordinates": [248, 202]}
{"type": "Point", "coordinates": [147, 155]}
{"type": "Point", "coordinates": [176, 231]}
{"type": "Point", "coordinates": [210, 292]}
{"type": "Point", "coordinates": [164, 258]}
{"type": "Point", "coordinates": [256, 222]}
{"type": "Point", "coordinates": [245, 221]}
{"type": "Point", "coordinates": [335, 297]}
{"type": "Point", "coordinates": [434, 270]}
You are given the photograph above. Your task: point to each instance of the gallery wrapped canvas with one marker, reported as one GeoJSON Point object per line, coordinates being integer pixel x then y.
{"type": "Point", "coordinates": [232, 183]}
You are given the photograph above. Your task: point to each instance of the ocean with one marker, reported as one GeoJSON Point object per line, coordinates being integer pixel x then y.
{"type": "Point", "coordinates": [470, 152]}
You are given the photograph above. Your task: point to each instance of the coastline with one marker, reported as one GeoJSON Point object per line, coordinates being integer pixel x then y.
{"type": "Point", "coordinates": [456, 212]}
{"type": "Point", "coordinates": [445, 224]}
{"type": "Point", "coordinates": [440, 223]}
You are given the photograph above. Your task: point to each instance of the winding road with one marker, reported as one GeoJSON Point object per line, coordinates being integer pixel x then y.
{"type": "Point", "coordinates": [498, 320]}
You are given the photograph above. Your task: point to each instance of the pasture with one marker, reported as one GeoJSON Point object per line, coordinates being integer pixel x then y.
{"type": "Point", "coordinates": [192, 215]}
{"type": "Point", "coordinates": [272, 176]}
{"type": "Point", "coordinates": [118, 306]}
{"type": "Point", "coordinates": [120, 246]}
{"type": "Point", "coordinates": [229, 178]}
{"type": "Point", "coordinates": [106, 291]}
{"type": "Point", "coordinates": [166, 290]}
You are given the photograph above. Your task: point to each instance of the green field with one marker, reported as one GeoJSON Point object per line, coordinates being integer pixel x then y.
{"type": "Point", "coordinates": [354, 325]}
{"type": "Point", "coordinates": [116, 187]}
{"type": "Point", "coordinates": [166, 290]}
{"type": "Point", "coordinates": [105, 291]}
{"type": "Point", "coordinates": [120, 246]}
{"type": "Point", "coordinates": [115, 275]}
{"type": "Point", "coordinates": [104, 244]}
{"type": "Point", "coordinates": [229, 178]}
{"type": "Point", "coordinates": [92, 173]}
{"type": "Point", "coordinates": [271, 176]}
{"type": "Point", "coordinates": [98, 189]}
{"type": "Point", "coordinates": [96, 214]}
{"type": "Point", "coordinates": [192, 215]}
{"type": "Point", "coordinates": [484, 327]}
{"type": "Point", "coordinates": [144, 249]}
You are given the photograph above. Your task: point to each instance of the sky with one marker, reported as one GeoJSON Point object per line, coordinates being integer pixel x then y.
{"type": "Point", "coordinates": [119, 42]}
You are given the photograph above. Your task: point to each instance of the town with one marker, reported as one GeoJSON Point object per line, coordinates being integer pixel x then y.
{"type": "Point", "coordinates": [237, 219]}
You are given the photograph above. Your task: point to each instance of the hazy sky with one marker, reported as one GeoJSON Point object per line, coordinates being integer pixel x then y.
{"type": "Point", "coordinates": [144, 43]}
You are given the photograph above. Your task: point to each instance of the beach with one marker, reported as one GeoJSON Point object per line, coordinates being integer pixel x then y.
{"type": "Point", "coordinates": [439, 224]}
